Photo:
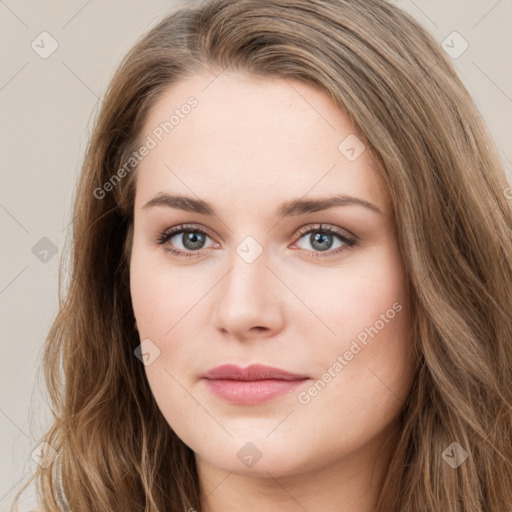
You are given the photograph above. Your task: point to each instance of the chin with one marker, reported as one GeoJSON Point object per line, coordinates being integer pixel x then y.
{"type": "Point", "coordinates": [255, 458]}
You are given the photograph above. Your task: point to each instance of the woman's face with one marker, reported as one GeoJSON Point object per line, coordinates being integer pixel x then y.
{"type": "Point", "coordinates": [255, 281]}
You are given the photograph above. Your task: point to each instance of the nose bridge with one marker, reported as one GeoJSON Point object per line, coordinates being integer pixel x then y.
{"type": "Point", "coordinates": [248, 270]}
{"type": "Point", "coordinates": [244, 299]}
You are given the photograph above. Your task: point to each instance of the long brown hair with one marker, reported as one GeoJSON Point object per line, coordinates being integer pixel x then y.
{"type": "Point", "coordinates": [454, 227]}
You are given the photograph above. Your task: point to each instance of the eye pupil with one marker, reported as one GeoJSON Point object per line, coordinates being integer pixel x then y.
{"type": "Point", "coordinates": [321, 239]}
{"type": "Point", "coordinates": [194, 238]}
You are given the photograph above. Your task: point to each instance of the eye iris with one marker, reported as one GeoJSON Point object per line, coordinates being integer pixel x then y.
{"type": "Point", "coordinates": [321, 239]}
{"type": "Point", "coordinates": [192, 240]}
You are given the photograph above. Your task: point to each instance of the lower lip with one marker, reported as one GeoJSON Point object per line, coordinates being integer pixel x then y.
{"type": "Point", "coordinates": [253, 392]}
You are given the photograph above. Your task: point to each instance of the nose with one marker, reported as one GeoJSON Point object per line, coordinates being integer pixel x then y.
{"type": "Point", "coordinates": [247, 301]}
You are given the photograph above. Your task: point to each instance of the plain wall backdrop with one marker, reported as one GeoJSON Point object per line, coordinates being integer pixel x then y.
{"type": "Point", "coordinates": [57, 59]}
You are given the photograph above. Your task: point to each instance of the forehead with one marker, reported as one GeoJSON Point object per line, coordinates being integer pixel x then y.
{"type": "Point", "coordinates": [238, 136]}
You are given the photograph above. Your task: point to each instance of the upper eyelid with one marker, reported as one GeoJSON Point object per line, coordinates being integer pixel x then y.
{"type": "Point", "coordinates": [322, 226]}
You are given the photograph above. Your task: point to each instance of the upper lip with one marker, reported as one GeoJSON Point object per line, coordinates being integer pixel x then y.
{"type": "Point", "coordinates": [252, 372]}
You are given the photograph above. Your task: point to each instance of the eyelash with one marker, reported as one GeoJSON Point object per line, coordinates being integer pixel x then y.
{"type": "Point", "coordinates": [165, 236]}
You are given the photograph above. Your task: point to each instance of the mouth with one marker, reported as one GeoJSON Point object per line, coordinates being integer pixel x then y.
{"type": "Point", "coordinates": [252, 385]}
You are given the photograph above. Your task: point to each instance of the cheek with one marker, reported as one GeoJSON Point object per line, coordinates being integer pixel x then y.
{"type": "Point", "coordinates": [165, 303]}
{"type": "Point", "coordinates": [160, 302]}
{"type": "Point", "coordinates": [358, 300]}
{"type": "Point", "coordinates": [368, 357]}
{"type": "Point", "coordinates": [159, 295]}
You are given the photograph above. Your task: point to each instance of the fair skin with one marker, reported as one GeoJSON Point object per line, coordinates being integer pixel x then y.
{"type": "Point", "coordinates": [247, 147]}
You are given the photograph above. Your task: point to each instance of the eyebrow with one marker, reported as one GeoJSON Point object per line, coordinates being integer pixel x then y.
{"type": "Point", "coordinates": [287, 209]}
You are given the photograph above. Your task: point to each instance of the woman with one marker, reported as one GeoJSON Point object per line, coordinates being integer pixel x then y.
{"type": "Point", "coordinates": [291, 275]}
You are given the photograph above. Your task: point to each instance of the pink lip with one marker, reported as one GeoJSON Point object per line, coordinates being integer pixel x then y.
{"type": "Point", "coordinates": [252, 385]}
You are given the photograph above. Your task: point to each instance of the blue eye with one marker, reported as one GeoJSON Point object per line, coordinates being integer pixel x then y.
{"type": "Point", "coordinates": [322, 238]}
{"type": "Point", "coordinates": [193, 239]}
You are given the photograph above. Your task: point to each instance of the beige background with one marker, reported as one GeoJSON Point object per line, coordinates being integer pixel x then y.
{"type": "Point", "coordinates": [47, 108]}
